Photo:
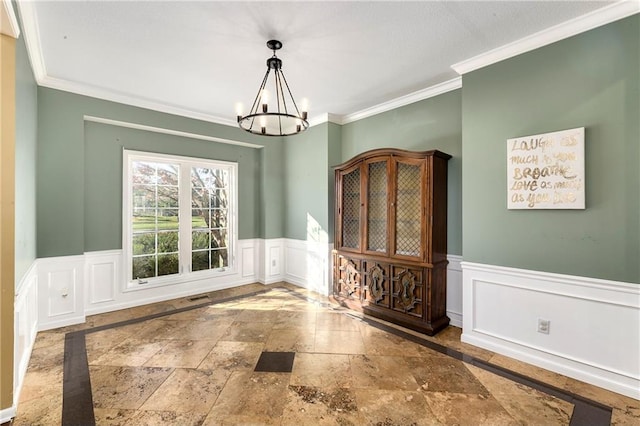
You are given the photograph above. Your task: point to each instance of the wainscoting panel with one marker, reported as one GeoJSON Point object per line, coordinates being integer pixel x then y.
{"type": "Point", "coordinates": [103, 275]}
{"type": "Point", "coordinates": [592, 326]}
{"type": "Point", "coordinates": [308, 264]}
{"type": "Point", "coordinates": [60, 291]}
{"type": "Point", "coordinates": [273, 255]}
{"type": "Point", "coordinates": [25, 326]}
{"type": "Point", "coordinates": [274, 260]}
{"type": "Point", "coordinates": [248, 259]}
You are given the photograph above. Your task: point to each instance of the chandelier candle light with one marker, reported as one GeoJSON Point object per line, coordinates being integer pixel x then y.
{"type": "Point", "coordinates": [286, 119]}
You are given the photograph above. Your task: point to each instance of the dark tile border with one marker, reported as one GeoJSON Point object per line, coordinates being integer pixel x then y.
{"type": "Point", "coordinates": [77, 399]}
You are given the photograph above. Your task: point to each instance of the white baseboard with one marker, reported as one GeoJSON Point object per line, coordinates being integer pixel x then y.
{"type": "Point", "coordinates": [594, 332]}
{"type": "Point", "coordinates": [7, 414]}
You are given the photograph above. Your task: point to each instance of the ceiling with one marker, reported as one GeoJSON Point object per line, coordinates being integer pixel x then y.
{"type": "Point", "coordinates": [201, 58]}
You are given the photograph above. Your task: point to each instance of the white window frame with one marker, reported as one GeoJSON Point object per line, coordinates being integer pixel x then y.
{"type": "Point", "coordinates": [184, 273]}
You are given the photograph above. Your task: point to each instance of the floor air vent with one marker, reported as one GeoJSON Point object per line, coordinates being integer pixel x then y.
{"type": "Point", "coordinates": [198, 297]}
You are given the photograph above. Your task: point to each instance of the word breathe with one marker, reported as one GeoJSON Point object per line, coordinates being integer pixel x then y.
{"type": "Point", "coordinates": [537, 173]}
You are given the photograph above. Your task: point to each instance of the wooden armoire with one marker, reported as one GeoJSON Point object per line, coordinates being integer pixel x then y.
{"type": "Point", "coordinates": [390, 246]}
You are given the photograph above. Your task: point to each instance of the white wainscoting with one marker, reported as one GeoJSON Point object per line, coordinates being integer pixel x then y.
{"type": "Point", "coordinates": [103, 277]}
{"type": "Point", "coordinates": [454, 290]}
{"type": "Point", "coordinates": [271, 255]}
{"type": "Point", "coordinates": [106, 289]}
{"type": "Point", "coordinates": [72, 287]}
{"type": "Point", "coordinates": [594, 329]}
{"type": "Point", "coordinates": [25, 328]}
{"type": "Point", "coordinates": [308, 265]}
{"type": "Point", "coordinates": [60, 291]}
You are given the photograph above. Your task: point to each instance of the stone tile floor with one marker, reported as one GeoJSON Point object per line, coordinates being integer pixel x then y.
{"type": "Point", "coordinates": [195, 367]}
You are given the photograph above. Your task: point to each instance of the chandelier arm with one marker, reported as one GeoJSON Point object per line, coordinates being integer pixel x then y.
{"type": "Point", "coordinates": [278, 97]}
{"type": "Point", "coordinates": [258, 99]}
{"type": "Point", "coordinates": [281, 92]}
{"type": "Point", "coordinates": [291, 96]}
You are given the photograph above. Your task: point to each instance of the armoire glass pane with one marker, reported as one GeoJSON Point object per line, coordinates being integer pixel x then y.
{"type": "Point", "coordinates": [377, 207]}
{"type": "Point", "coordinates": [408, 204]}
{"type": "Point", "coordinates": [351, 209]}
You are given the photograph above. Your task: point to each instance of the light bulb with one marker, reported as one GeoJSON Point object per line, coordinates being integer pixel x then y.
{"type": "Point", "coordinates": [239, 111]}
{"type": "Point", "coordinates": [265, 100]}
{"type": "Point", "coordinates": [263, 125]}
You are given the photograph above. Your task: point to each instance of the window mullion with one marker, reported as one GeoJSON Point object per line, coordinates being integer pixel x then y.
{"type": "Point", "coordinates": [185, 217]}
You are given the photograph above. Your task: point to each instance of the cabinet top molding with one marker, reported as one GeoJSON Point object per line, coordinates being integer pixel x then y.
{"type": "Point", "coordinates": [380, 152]}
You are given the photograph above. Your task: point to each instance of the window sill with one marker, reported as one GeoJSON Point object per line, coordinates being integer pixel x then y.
{"type": "Point", "coordinates": [179, 279]}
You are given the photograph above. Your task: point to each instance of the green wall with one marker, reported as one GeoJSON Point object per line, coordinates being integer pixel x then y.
{"type": "Point", "coordinates": [25, 162]}
{"type": "Point", "coordinates": [306, 186]}
{"type": "Point", "coordinates": [335, 158]}
{"type": "Point", "coordinates": [71, 172]}
{"type": "Point", "coordinates": [589, 80]}
{"type": "Point", "coordinates": [433, 123]}
{"type": "Point", "coordinates": [309, 182]}
{"type": "Point", "coordinates": [272, 196]}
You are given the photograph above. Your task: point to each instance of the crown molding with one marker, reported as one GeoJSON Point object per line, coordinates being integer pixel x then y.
{"type": "Point", "coordinates": [334, 118]}
{"type": "Point", "coordinates": [318, 119]}
{"type": "Point", "coordinates": [108, 95]}
{"type": "Point", "coordinates": [419, 95]}
{"type": "Point", "coordinates": [165, 131]}
{"type": "Point", "coordinates": [594, 19]}
{"type": "Point", "coordinates": [32, 39]}
{"type": "Point", "coordinates": [327, 117]}
{"type": "Point", "coordinates": [8, 20]}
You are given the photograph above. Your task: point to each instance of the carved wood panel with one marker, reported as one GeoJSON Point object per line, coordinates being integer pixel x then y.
{"type": "Point", "coordinates": [377, 283]}
{"type": "Point", "coordinates": [349, 278]}
{"type": "Point", "coordinates": [407, 290]}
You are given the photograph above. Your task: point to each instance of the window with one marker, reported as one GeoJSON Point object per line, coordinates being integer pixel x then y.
{"type": "Point", "coordinates": [179, 217]}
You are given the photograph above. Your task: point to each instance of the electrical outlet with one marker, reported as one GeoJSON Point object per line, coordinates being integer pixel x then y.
{"type": "Point", "coordinates": [273, 263]}
{"type": "Point", "coordinates": [543, 326]}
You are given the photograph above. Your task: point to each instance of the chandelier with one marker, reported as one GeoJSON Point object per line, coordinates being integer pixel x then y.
{"type": "Point", "coordinates": [282, 117]}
